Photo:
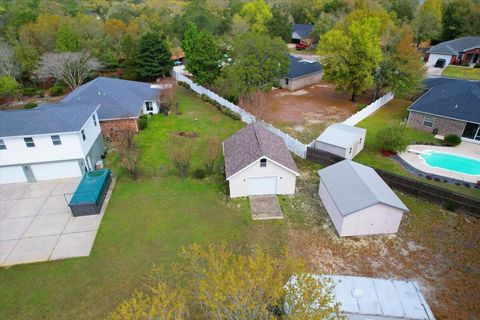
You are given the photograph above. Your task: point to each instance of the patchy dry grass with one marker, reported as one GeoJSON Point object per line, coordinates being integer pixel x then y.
{"type": "Point", "coordinates": [437, 248]}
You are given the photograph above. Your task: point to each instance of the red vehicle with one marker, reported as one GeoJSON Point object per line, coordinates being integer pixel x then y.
{"type": "Point", "coordinates": [301, 46]}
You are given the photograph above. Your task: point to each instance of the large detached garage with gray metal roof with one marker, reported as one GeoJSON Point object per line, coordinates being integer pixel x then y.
{"type": "Point", "coordinates": [358, 201]}
{"type": "Point", "coordinates": [257, 162]}
{"type": "Point", "coordinates": [301, 73]}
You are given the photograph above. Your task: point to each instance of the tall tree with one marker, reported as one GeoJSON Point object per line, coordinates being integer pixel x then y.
{"type": "Point", "coordinates": [8, 63]}
{"type": "Point", "coordinates": [154, 58]}
{"type": "Point", "coordinates": [427, 24]}
{"type": "Point", "coordinates": [456, 19]}
{"type": "Point", "coordinates": [279, 25]}
{"type": "Point", "coordinates": [67, 40]}
{"type": "Point", "coordinates": [258, 61]}
{"type": "Point", "coordinates": [202, 55]}
{"type": "Point", "coordinates": [352, 55]}
{"type": "Point", "coordinates": [71, 68]}
{"type": "Point", "coordinates": [257, 13]}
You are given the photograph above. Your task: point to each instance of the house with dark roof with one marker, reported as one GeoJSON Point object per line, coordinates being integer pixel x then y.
{"type": "Point", "coordinates": [358, 201]}
{"type": "Point", "coordinates": [121, 101]}
{"type": "Point", "coordinates": [301, 73]}
{"type": "Point", "coordinates": [257, 162]}
{"type": "Point", "coordinates": [457, 51]}
{"type": "Point", "coordinates": [449, 108]}
{"type": "Point", "coordinates": [301, 32]}
{"type": "Point", "coordinates": [52, 141]}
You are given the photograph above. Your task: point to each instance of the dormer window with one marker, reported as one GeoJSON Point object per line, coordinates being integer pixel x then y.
{"type": "Point", "coordinates": [263, 163]}
{"type": "Point", "coordinates": [2, 145]}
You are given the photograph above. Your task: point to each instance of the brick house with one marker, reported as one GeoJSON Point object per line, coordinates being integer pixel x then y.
{"type": "Point", "coordinates": [449, 108]}
{"type": "Point", "coordinates": [121, 102]}
{"type": "Point", "coordinates": [457, 51]}
{"type": "Point", "coordinates": [301, 73]}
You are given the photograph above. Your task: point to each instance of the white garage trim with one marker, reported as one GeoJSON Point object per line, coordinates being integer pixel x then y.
{"type": "Point", "coordinates": [256, 161]}
{"type": "Point", "coordinates": [262, 185]}
{"type": "Point", "coordinates": [433, 57]}
{"type": "Point", "coordinates": [12, 174]}
{"type": "Point", "coordinates": [56, 170]}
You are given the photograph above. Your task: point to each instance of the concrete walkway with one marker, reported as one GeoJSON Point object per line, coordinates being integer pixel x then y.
{"type": "Point", "coordinates": [36, 223]}
{"type": "Point", "coordinates": [472, 150]}
{"type": "Point", "coordinates": [265, 207]}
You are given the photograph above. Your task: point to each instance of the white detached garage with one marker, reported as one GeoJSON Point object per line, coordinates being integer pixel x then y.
{"type": "Point", "coordinates": [341, 139]}
{"type": "Point", "coordinates": [257, 162]}
{"type": "Point", "coordinates": [358, 201]}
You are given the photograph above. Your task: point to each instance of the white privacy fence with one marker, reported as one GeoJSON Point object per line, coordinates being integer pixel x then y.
{"type": "Point", "coordinates": [368, 110]}
{"type": "Point", "coordinates": [293, 144]}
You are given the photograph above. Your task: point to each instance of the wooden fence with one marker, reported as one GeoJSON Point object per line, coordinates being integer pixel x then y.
{"type": "Point", "coordinates": [410, 186]}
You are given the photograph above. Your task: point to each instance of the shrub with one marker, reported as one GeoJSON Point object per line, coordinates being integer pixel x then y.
{"type": "Point", "coordinates": [143, 122]}
{"type": "Point", "coordinates": [199, 174]}
{"type": "Point", "coordinates": [450, 205]}
{"type": "Point", "coordinates": [392, 139]}
{"type": "Point", "coordinates": [184, 84]}
{"type": "Point", "coordinates": [9, 87]}
{"type": "Point", "coordinates": [361, 106]}
{"type": "Point", "coordinates": [452, 140]}
{"type": "Point", "coordinates": [31, 91]}
{"type": "Point", "coordinates": [30, 105]}
{"type": "Point", "coordinates": [56, 90]}
{"type": "Point", "coordinates": [477, 65]}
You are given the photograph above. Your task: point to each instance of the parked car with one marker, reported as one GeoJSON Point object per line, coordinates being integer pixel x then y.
{"type": "Point", "coordinates": [301, 46]}
{"type": "Point", "coordinates": [440, 63]}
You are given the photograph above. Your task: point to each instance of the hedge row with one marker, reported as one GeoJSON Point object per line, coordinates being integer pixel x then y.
{"type": "Point", "coordinates": [222, 109]}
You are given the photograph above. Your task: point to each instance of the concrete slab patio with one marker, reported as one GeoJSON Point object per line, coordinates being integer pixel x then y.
{"type": "Point", "coordinates": [36, 223]}
{"type": "Point", "coordinates": [265, 207]}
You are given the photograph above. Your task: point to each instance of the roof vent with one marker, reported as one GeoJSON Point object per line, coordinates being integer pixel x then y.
{"type": "Point", "coordinates": [357, 293]}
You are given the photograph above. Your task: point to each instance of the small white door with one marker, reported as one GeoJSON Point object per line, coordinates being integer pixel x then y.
{"type": "Point", "coordinates": [56, 170]}
{"type": "Point", "coordinates": [262, 185]}
{"type": "Point", "coordinates": [12, 174]}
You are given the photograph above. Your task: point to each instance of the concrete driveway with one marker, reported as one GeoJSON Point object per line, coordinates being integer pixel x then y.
{"type": "Point", "coordinates": [36, 223]}
{"type": "Point", "coordinates": [265, 207]}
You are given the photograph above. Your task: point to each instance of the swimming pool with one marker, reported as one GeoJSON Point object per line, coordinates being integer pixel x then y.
{"type": "Point", "coordinates": [452, 162]}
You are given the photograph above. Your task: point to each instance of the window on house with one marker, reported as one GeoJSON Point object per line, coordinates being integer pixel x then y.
{"type": "Point", "coordinates": [56, 140]}
{"type": "Point", "coordinates": [2, 145]}
{"type": "Point", "coordinates": [29, 142]}
{"type": "Point", "coordinates": [360, 140]}
{"type": "Point", "coordinates": [263, 163]}
{"type": "Point", "coordinates": [428, 121]}
{"type": "Point", "coordinates": [286, 81]}
{"type": "Point", "coordinates": [149, 105]}
{"type": "Point", "coordinates": [94, 120]}
{"type": "Point", "coordinates": [350, 151]}
{"type": "Point", "coordinates": [83, 135]}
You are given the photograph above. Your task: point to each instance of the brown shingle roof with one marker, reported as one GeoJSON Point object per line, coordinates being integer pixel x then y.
{"type": "Point", "coordinates": [250, 144]}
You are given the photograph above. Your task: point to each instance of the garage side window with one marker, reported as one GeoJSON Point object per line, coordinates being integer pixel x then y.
{"type": "Point", "coordinates": [56, 140]}
{"type": "Point", "coordinates": [2, 145]}
{"type": "Point", "coordinates": [83, 135]}
{"type": "Point", "coordinates": [29, 142]}
{"type": "Point", "coordinates": [94, 120]}
{"type": "Point", "coordinates": [263, 163]}
{"type": "Point", "coordinates": [428, 121]}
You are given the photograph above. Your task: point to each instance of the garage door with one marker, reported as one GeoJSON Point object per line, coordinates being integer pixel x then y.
{"type": "Point", "coordinates": [56, 170]}
{"type": "Point", "coordinates": [263, 185]}
{"type": "Point", "coordinates": [12, 175]}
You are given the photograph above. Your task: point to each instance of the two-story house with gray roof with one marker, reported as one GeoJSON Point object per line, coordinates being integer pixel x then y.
{"type": "Point", "coordinates": [121, 102]}
{"type": "Point", "coordinates": [450, 108]}
{"type": "Point", "coordinates": [49, 142]}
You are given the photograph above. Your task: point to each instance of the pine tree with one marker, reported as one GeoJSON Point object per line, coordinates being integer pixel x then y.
{"type": "Point", "coordinates": [67, 40]}
{"type": "Point", "coordinates": [153, 57]}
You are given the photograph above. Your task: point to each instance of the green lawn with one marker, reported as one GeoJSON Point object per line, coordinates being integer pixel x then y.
{"type": "Point", "coordinates": [146, 222]}
{"type": "Point", "coordinates": [393, 114]}
{"type": "Point", "coordinates": [462, 72]}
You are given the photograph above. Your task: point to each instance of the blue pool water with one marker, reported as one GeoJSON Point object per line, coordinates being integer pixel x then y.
{"type": "Point", "coordinates": [452, 162]}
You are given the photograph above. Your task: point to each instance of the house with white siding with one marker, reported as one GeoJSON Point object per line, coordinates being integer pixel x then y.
{"type": "Point", "coordinates": [257, 162]}
{"type": "Point", "coordinates": [52, 141]}
{"type": "Point", "coordinates": [341, 139]}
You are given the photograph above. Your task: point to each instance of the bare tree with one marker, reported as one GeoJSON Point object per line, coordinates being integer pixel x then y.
{"type": "Point", "coordinates": [256, 103]}
{"type": "Point", "coordinates": [166, 96]}
{"type": "Point", "coordinates": [8, 64]}
{"type": "Point", "coordinates": [70, 67]}
{"type": "Point", "coordinates": [180, 152]}
{"type": "Point", "coordinates": [211, 154]}
{"type": "Point", "coordinates": [129, 152]}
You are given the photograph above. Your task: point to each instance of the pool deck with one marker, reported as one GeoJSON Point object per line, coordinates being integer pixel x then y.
{"type": "Point", "coordinates": [466, 149]}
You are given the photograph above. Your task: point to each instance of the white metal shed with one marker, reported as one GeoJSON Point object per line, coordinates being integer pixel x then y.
{"type": "Point", "coordinates": [358, 201]}
{"type": "Point", "coordinates": [341, 139]}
